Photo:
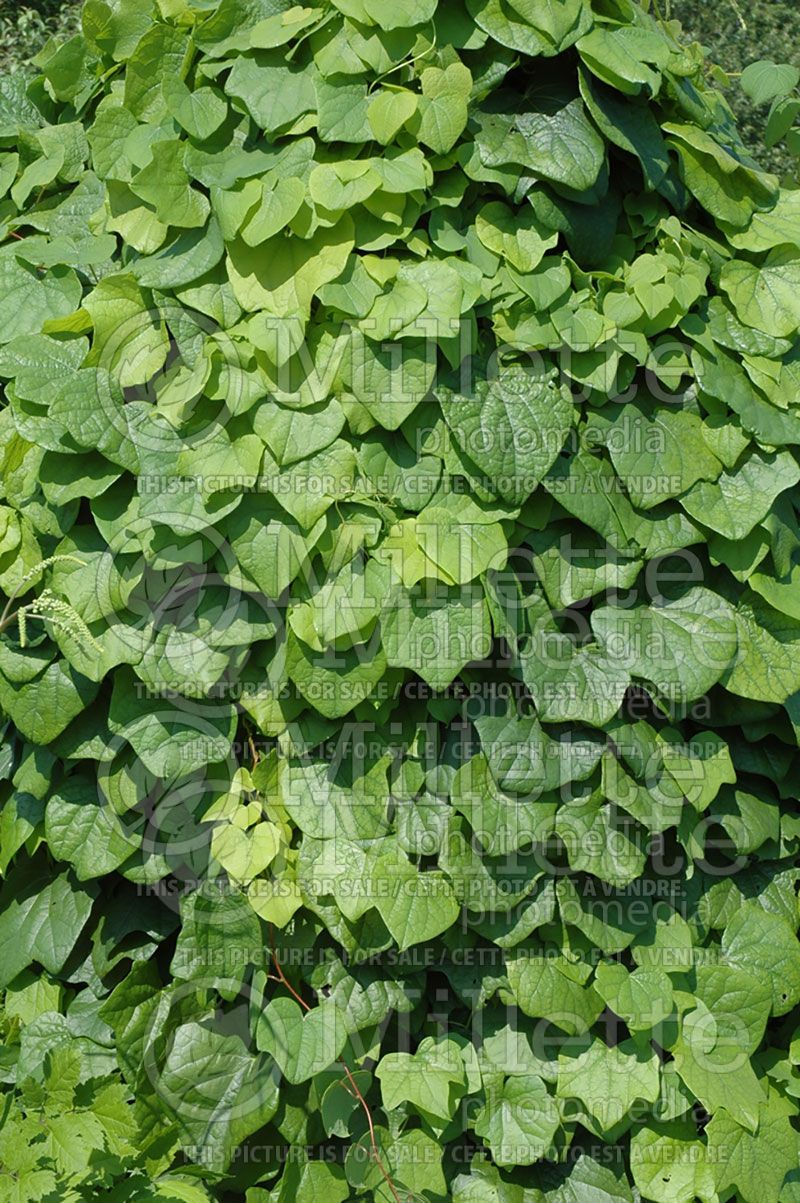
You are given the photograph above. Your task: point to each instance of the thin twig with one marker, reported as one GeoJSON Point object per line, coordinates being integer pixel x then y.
{"type": "Point", "coordinates": [352, 1087]}
{"type": "Point", "coordinates": [409, 62]}
{"type": "Point", "coordinates": [739, 14]}
{"type": "Point", "coordinates": [253, 749]}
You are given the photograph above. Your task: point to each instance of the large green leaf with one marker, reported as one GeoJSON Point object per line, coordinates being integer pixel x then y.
{"type": "Point", "coordinates": [681, 647]}
{"type": "Point", "coordinates": [512, 429]}
{"type": "Point", "coordinates": [399, 618]}
{"type": "Point", "coordinates": [518, 1120]}
{"type": "Point", "coordinates": [41, 920]}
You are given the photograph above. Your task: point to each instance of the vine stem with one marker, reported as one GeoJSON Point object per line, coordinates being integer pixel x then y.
{"type": "Point", "coordinates": [6, 619]}
{"type": "Point", "coordinates": [352, 1086]}
{"type": "Point", "coordinates": [409, 62]}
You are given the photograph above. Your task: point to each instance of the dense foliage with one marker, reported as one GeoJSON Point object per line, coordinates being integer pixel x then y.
{"type": "Point", "coordinates": [732, 35]}
{"type": "Point", "coordinates": [400, 651]}
{"type": "Point", "coordinates": [24, 28]}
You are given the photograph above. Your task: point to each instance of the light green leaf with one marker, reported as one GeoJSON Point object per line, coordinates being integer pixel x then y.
{"type": "Point", "coordinates": [555, 989]}
{"type": "Point", "coordinates": [669, 1164]}
{"type": "Point", "coordinates": [766, 297]}
{"type": "Point", "coordinates": [218, 1091]}
{"type": "Point", "coordinates": [764, 80]}
{"type": "Point", "coordinates": [163, 52]}
{"type": "Point", "coordinates": [165, 185]}
{"type": "Point", "coordinates": [643, 999]}
{"type": "Point", "coordinates": [682, 647]}
{"type": "Point", "coordinates": [518, 1120]}
{"type": "Point", "coordinates": [436, 634]}
{"type": "Point", "coordinates": [513, 429]}
{"type": "Point", "coordinates": [274, 94]}
{"type": "Point", "coordinates": [388, 16]}
{"type": "Point", "coordinates": [303, 1044]}
{"type": "Point", "coordinates": [443, 107]}
{"type": "Point", "coordinates": [609, 1080]}
{"type": "Point", "coordinates": [741, 497]}
{"type": "Point", "coordinates": [765, 946]}
{"type": "Point", "coordinates": [129, 337]}
{"type": "Point", "coordinates": [389, 111]}
{"type": "Point", "coordinates": [754, 1165]}
{"type": "Point", "coordinates": [283, 274]}
{"type": "Point", "coordinates": [766, 664]}
{"type": "Point", "coordinates": [29, 298]}
{"type": "Point", "coordinates": [660, 456]}
{"type": "Point", "coordinates": [41, 921]}
{"type": "Point", "coordinates": [415, 906]}
{"type": "Point", "coordinates": [432, 1079]}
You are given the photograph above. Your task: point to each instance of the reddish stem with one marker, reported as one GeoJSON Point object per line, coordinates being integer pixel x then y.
{"type": "Point", "coordinates": [354, 1090]}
